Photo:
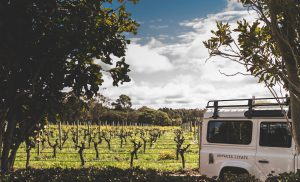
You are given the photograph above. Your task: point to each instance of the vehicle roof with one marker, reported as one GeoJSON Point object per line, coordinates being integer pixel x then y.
{"type": "Point", "coordinates": [248, 108]}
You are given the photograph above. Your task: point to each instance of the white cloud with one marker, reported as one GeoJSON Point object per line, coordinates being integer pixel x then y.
{"type": "Point", "coordinates": [233, 5]}
{"type": "Point", "coordinates": [145, 59]}
{"type": "Point", "coordinates": [188, 82]}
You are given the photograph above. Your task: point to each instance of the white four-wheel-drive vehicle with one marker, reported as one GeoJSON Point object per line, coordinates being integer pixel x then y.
{"type": "Point", "coordinates": [252, 137]}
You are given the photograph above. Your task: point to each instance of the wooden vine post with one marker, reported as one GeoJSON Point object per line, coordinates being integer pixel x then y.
{"type": "Point", "coordinates": [195, 130]}
{"type": "Point", "coordinates": [39, 141]}
{"type": "Point", "coordinates": [59, 135]}
{"type": "Point", "coordinates": [200, 139]}
{"type": "Point", "coordinates": [77, 133]}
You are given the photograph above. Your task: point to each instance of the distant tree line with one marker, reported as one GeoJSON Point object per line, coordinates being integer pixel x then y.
{"type": "Point", "coordinates": [179, 116]}
{"type": "Point", "coordinates": [100, 111]}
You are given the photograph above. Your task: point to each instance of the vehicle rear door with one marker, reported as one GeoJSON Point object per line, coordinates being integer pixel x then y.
{"type": "Point", "coordinates": [275, 151]}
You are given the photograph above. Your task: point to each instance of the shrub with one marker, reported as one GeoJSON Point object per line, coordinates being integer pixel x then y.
{"type": "Point", "coordinates": [166, 155]}
{"type": "Point", "coordinates": [228, 177]}
{"type": "Point", "coordinates": [284, 177]}
{"type": "Point", "coordinates": [110, 174]}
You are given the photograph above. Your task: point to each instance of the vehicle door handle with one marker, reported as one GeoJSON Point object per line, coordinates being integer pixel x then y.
{"type": "Point", "coordinates": [263, 161]}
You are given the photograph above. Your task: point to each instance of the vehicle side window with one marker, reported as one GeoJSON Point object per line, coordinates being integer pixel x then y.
{"type": "Point", "coordinates": [275, 135]}
{"type": "Point", "coordinates": [229, 132]}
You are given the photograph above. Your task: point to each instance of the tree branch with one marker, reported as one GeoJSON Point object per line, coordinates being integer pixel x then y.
{"type": "Point", "coordinates": [234, 74]}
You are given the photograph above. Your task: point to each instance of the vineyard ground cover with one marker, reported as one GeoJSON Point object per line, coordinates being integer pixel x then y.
{"type": "Point", "coordinates": [102, 174]}
{"type": "Point", "coordinates": [115, 157]}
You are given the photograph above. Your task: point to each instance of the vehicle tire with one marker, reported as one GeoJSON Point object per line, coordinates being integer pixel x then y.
{"type": "Point", "coordinates": [232, 171]}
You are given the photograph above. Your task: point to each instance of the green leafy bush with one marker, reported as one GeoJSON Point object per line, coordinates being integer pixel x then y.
{"type": "Point", "coordinates": [284, 177]}
{"type": "Point", "coordinates": [166, 155]}
{"type": "Point", "coordinates": [109, 174]}
{"type": "Point", "coordinates": [229, 177]}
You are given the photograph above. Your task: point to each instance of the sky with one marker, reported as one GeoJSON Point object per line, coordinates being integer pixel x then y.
{"type": "Point", "coordinates": [168, 61]}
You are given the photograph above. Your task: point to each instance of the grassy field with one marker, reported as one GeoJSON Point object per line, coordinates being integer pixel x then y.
{"type": "Point", "coordinates": [161, 156]}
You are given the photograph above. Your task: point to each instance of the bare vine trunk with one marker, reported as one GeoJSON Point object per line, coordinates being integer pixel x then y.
{"type": "Point", "coordinates": [96, 149]}
{"type": "Point", "coordinates": [131, 159]}
{"type": "Point", "coordinates": [182, 160]}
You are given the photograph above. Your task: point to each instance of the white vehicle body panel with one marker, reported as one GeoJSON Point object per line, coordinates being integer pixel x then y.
{"type": "Point", "coordinates": [255, 159]}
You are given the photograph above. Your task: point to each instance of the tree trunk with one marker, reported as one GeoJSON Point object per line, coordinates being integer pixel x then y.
{"type": "Point", "coordinates": [295, 105]}
{"type": "Point", "coordinates": [13, 154]}
{"type": "Point", "coordinates": [295, 102]}
{"type": "Point", "coordinates": [2, 122]}
{"type": "Point", "coordinates": [292, 72]}
{"type": "Point", "coordinates": [7, 145]}
{"type": "Point", "coordinates": [27, 158]}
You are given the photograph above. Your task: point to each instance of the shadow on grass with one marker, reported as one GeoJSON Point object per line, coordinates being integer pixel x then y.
{"type": "Point", "coordinates": [110, 174]}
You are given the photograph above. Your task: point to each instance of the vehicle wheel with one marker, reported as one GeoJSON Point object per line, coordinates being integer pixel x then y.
{"type": "Point", "coordinates": [234, 174]}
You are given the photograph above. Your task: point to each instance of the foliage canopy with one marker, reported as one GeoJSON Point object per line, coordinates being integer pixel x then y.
{"type": "Point", "coordinates": [48, 46]}
{"type": "Point", "coordinates": [268, 47]}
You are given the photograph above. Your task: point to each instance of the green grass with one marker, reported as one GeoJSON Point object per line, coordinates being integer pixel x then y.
{"type": "Point", "coordinates": [116, 157]}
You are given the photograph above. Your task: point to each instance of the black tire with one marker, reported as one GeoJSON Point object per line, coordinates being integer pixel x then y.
{"type": "Point", "coordinates": [231, 171]}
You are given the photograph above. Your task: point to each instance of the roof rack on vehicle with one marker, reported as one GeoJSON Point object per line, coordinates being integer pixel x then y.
{"type": "Point", "coordinates": [251, 104]}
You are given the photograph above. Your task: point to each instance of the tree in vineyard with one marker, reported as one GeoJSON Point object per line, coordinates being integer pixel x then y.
{"type": "Point", "coordinates": [123, 103]}
{"type": "Point", "coordinates": [268, 48]}
{"type": "Point", "coordinates": [48, 46]}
